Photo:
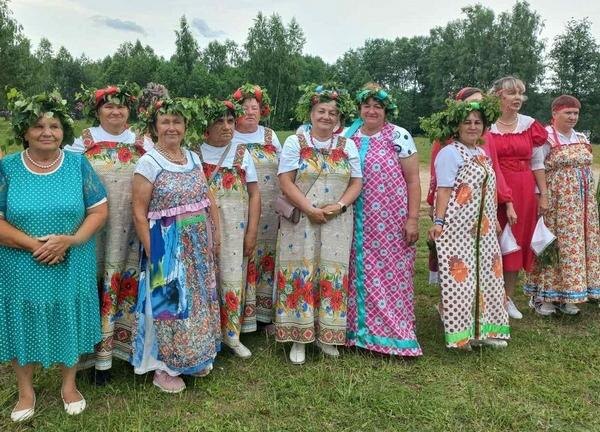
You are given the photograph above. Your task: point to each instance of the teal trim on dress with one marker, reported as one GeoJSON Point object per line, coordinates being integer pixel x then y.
{"type": "Point", "coordinates": [384, 341]}
{"type": "Point", "coordinates": [353, 128]}
{"type": "Point", "coordinates": [359, 240]}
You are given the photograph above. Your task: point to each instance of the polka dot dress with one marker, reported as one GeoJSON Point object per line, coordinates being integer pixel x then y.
{"type": "Point", "coordinates": [469, 257]}
{"type": "Point", "coordinates": [48, 314]}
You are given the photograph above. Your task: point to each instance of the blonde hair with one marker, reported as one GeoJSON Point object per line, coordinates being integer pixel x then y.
{"type": "Point", "coordinates": [508, 83]}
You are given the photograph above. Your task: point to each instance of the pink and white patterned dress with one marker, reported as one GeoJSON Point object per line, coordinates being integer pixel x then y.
{"type": "Point", "coordinates": [381, 293]}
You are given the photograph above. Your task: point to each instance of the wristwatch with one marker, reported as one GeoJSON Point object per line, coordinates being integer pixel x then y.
{"type": "Point", "coordinates": [343, 206]}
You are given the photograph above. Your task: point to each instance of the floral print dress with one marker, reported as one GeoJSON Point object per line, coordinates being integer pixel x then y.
{"type": "Point", "coordinates": [313, 260]}
{"type": "Point", "coordinates": [237, 302]}
{"type": "Point", "coordinates": [176, 326]}
{"type": "Point", "coordinates": [573, 218]}
{"type": "Point", "coordinates": [117, 246]}
{"type": "Point", "coordinates": [470, 262]}
{"type": "Point", "coordinates": [261, 268]}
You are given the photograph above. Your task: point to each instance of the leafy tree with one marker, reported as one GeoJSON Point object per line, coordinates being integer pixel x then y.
{"type": "Point", "coordinates": [132, 62]}
{"type": "Point", "coordinates": [16, 62]}
{"type": "Point", "coordinates": [186, 47]}
{"type": "Point", "coordinates": [574, 59]}
{"type": "Point", "coordinates": [274, 55]}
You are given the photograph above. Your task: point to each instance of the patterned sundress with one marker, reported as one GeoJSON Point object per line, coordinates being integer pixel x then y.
{"type": "Point", "coordinates": [48, 313]}
{"type": "Point", "coordinates": [381, 294]}
{"type": "Point", "coordinates": [313, 260]}
{"type": "Point", "coordinates": [469, 257]}
{"type": "Point", "coordinates": [261, 268]}
{"type": "Point", "coordinates": [118, 247]}
{"type": "Point", "coordinates": [229, 188]}
{"type": "Point", "coordinates": [177, 311]}
{"type": "Point", "coordinates": [573, 218]}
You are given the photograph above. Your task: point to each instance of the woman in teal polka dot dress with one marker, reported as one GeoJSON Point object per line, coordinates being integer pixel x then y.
{"type": "Point", "coordinates": [51, 205]}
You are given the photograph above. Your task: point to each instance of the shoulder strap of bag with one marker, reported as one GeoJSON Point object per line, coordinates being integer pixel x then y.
{"type": "Point", "coordinates": [218, 167]}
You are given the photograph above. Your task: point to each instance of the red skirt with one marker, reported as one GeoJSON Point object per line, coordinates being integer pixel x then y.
{"type": "Point", "coordinates": [525, 203]}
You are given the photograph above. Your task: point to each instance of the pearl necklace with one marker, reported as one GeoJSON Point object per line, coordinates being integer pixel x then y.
{"type": "Point", "coordinates": [39, 165]}
{"type": "Point", "coordinates": [170, 157]}
{"type": "Point", "coordinates": [508, 124]}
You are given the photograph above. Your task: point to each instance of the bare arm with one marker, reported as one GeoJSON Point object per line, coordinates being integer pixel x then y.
{"type": "Point", "coordinates": [55, 246]}
{"type": "Point", "coordinates": [441, 205]}
{"type": "Point", "coordinates": [540, 179]}
{"type": "Point", "coordinates": [410, 169]}
{"type": "Point", "coordinates": [141, 195]}
{"type": "Point", "coordinates": [15, 238]}
{"type": "Point", "coordinates": [298, 199]}
{"type": "Point", "coordinates": [253, 218]}
{"type": "Point", "coordinates": [348, 197]}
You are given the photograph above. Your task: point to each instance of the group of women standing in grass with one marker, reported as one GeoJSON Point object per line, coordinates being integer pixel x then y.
{"type": "Point", "coordinates": [213, 227]}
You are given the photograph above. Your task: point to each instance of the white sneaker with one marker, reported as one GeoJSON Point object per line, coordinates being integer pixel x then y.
{"type": "Point", "coordinates": [512, 310]}
{"type": "Point", "coordinates": [568, 309]}
{"type": "Point", "coordinates": [240, 350]}
{"type": "Point", "coordinates": [298, 353]}
{"type": "Point", "coordinates": [330, 350]}
{"type": "Point", "coordinates": [541, 307]}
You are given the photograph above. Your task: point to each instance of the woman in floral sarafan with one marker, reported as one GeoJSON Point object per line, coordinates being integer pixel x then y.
{"type": "Point", "coordinates": [572, 217]}
{"type": "Point", "coordinates": [381, 294]}
{"type": "Point", "coordinates": [176, 329]}
{"type": "Point", "coordinates": [319, 173]}
{"type": "Point", "coordinates": [113, 149]}
{"type": "Point", "coordinates": [465, 227]}
{"type": "Point", "coordinates": [232, 180]}
{"type": "Point", "coordinates": [264, 147]}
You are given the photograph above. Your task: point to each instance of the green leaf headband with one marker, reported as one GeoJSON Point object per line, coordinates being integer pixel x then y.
{"type": "Point", "coordinates": [314, 94]}
{"type": "Point", "coordinates": [25, 112]}
{"type": "Point", "coordinates": [126, 94]}
{"type": "Point", "coordinates": [443, 125]}
{"type": "Point", "coordinates": [381, 96]}
{"type": "Point", "coordinates": [189, 109]}
{"type": "Point", "coordinates": [213, 109]}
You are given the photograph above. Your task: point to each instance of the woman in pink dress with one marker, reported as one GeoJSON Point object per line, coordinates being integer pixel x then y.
{"type": "Point", "coordinates": [514, 136]}
{"type": "Point", "coordinates": [381, 293]}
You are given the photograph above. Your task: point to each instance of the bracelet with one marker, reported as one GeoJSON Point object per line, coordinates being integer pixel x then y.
{"type": "Point", "coordinates": [438, 221]}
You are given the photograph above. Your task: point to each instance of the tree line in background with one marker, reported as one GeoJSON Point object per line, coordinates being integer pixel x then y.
{"type": "Point", "coordinates": [420, 71]}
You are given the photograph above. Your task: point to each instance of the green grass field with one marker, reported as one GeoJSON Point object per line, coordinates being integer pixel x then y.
{"type": "Point", "coordinates": [548, 379]}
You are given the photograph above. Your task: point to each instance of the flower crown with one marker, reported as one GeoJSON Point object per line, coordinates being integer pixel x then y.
{"type": "Point", "coordinates": [189, 109]}
{"type": "Point", "coordinates": [444, 124]}
{"type": "Point", "coordinates": [213, 109]}
{"type": "Point", "coordinates": [25, 111]}
{"type": "Point", "coordinates": [126, 94]}
{"type": "Point", "coordinates": [314, 94]}
{"type": "Point", "coordinates": [381, 96]}
{"type": "Point", "coordinates": [248, 91]}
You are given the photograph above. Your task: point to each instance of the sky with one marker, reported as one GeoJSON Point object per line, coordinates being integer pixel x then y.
{"type": "Point", "coordinates": [331, 27]}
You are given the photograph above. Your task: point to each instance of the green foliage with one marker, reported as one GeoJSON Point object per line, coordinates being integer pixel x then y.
{"type": "Point", "coordinates": [213, 109]}
{"type": "Point", "coordinates": [16, 64]}
{"type": "Point", "coordinates": [249, 91]}
{"type": "Point", "coordinates": [380, 95]}
{"type": "Point", "coordinates": [126, 94]}
{"type": "Point", "coordinates": [313, 94]}
{"type": "Point", "coordinates": [274, 58]}
{"type": "Point", "coordinates": [190, 109]}
{"type": "Point", "coordinates": [444, 124]}
{"type": "Point", "coordinates": [27, 110]}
